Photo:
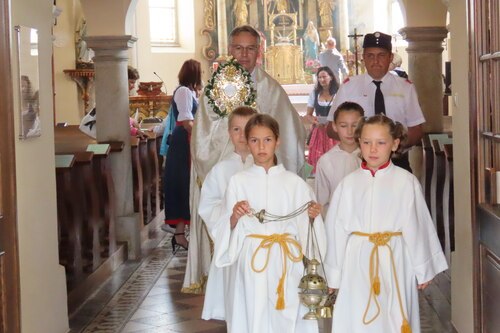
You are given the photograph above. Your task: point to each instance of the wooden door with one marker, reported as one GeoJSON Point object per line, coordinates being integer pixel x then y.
{"type": "Point", "coordinates": [484, 16]}
{"type": "Point", "coordinates": [9, 262]}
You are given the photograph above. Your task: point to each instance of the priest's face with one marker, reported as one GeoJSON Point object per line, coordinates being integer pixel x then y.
{"type": "Point", "coordinates": [377, 145]}
{"type": "Point", "coordinates": [245, 49]}
{"type": "Point", "coordinates": [263, 144]}
{"type": "Point", "coordinates": [377, 61]}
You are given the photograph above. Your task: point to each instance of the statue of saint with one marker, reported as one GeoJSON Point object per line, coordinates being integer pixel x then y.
{"type": "Point", "coordinates": [311, 42]}
{"type": "Point", "coordinates": [240, 11]}
{"type": "Point", "coordinates": [282, 6]}
{"type": "Point", "coordinates": [326, 8]}
{"type": "Point", "coordinates": [82, 52]}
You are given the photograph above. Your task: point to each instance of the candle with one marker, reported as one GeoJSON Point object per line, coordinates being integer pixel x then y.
{"type": "Point", "coordinates": [301, 44]}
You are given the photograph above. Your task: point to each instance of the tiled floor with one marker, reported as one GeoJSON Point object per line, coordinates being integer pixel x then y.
{"type": "Point", "coordinates": [144, 297]}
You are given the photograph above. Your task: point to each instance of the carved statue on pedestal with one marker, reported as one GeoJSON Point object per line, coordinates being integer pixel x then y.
{"type": "Point", "coordinates": [282, 6]}
{"type": "Point", "coordinates": [240, 11]}
{"type": "Point", "coordinates": [326, 8]}
{"type": "Point", "coordinates": [311, 42]}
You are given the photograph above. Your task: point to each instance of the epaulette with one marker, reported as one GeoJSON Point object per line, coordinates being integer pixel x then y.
{"type": "Point", "coordinates": [346, 80]}
{"type": "Point", "coordinates": [408, 80]}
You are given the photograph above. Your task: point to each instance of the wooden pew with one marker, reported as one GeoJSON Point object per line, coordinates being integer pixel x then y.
{"type": "Point", "coordinates": [438, 177]}
{"type": "Point", "coordinates": [91, 184]}
{"type": "Point", "coordinates": [69, 220]}
{"type": "Point", "coordinates": [137, 177]}
{"type": "Point", "coordinates": [448, 203]}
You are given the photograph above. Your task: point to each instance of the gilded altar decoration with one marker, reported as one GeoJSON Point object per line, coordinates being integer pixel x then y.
{"type": "Point", "coordinates": [240, 11]}
{"type": "Point", "coordinates": [326, 8]}
{"type": "Point", "coordinates": [229, 87]}
{"type": "Point", "coordinates": [209, 51]}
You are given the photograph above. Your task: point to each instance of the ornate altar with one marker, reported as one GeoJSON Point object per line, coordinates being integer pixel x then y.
{"type": "Point", "coordinates": [151, 102]}
{"type": "Point", "coordinates": [284, 58]}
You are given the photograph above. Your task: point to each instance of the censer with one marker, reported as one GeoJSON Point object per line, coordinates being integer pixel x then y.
{"type": "Point", "coordinates": [314, 288]}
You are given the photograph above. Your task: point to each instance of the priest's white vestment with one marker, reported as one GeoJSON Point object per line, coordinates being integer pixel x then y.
{"type": "Point", "coordinates": [389, 200]}
{"type": "Point", "coordinates": [212, 194]}
{"type": "Point", "coordinates": [252, 296]}
{"type": "Point", "coordinates": [210, 144]}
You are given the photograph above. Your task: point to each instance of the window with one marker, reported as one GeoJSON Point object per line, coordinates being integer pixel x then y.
{"type": "Point", "coordinates": [163, 23]}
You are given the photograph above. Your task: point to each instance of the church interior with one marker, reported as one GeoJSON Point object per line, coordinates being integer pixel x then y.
{"type": "Point", "coordinates": [81, 248]}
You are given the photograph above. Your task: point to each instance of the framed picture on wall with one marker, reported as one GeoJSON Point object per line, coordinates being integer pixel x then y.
{"type": "Point", "coordinates": [29, 84]}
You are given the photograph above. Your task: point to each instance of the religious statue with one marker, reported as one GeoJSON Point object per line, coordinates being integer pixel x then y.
{"type": "Point", "coordinates": [311, 42]}
{"type": "Point", "coordinates": [282, 6]}
{"type": "Point", "coordinates": [240, 11]}
{"type": "Point", "coordinates": [326, 8]}
{"type": "Point", "coordinates": [83, 54]}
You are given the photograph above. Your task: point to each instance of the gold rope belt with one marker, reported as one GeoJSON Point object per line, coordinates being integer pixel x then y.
{"type": "Point", "coordinates": [284, 241]}
{"type": "Point", "coordinates": [381, 239]}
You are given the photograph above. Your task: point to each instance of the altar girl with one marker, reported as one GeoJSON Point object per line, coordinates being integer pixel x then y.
{"type": "Point", "coordinates": [265, 258]}
{"type": "Point", "coordinates": [384, 246]}
{"type": "Point", "coordinates": [212, 193]}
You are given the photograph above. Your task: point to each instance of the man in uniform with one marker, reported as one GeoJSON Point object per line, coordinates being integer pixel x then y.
{"type": "Point", "coordinates": [210, 143]}
{"type": "Point", "coordinates": [378, 91]}
{"type": "Point", "coordinates": [332, 58]}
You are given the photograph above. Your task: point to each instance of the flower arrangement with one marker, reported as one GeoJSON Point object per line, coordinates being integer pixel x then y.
{"type": "Point", "coordinates": [312, 66]}
{"type": "Point", "coordinates": [229, 87]}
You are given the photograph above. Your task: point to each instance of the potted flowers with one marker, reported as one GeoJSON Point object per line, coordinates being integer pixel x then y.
{"type": "Point", "coordinates": [311, 68]}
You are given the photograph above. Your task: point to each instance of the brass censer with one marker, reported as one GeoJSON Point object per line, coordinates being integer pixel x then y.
{"type": "Point", "coordinates": [314, 287]}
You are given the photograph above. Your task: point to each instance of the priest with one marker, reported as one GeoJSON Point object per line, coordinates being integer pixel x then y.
{"type": "Point", "coordinates": [210, 143]}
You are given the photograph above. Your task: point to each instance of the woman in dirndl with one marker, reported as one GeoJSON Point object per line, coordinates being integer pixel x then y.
{"type": "Point", "coordinates": [318, 106]}
{"type": "Point", "coordinates": [178, 162]}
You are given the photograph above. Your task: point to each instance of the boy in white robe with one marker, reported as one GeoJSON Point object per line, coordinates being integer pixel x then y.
{"type": "Point", "coordinates": [212, 193]}
{"type": "Point", "coordinates": [265, 258]}
{"type": "Point", "coordinates": [341, 159]}
{"type": "Point", "coordinates": [383, 240]}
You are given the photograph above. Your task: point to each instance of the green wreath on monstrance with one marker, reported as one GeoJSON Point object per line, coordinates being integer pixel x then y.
{"type": "Point", "coordinates": [229, 87]}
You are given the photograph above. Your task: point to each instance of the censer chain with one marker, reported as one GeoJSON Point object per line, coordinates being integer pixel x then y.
{"type": "Point", "coordinates": [265, 217]}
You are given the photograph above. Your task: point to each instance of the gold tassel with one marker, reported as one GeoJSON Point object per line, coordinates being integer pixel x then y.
{"type": "Point", "coordinates": [280, 303]}
{"type": "Point", "coordinates": [376, 285]}
{"type": "Point", "coordinates": [405, 328]}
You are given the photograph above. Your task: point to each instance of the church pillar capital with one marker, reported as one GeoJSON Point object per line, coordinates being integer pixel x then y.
{"type": "Point", "coordinates": [425, 65]}
{"type": "Point", "coordinates": [424, 39]}
{"type": "Point", "coordinates": [112, 124]}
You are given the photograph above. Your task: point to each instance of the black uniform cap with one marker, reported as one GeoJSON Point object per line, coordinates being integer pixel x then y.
{"type": "Point", "coordinates": [378, 39]}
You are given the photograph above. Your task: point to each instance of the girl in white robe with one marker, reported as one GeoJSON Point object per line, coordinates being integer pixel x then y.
{"type": "Point", "coordinates": [212, 193]}
{"type": "Point", "coordinates": [266, 258]}
{"type": "Point", "coordinates": [384, 245]}
{"type": "Point", "coordinates": [343, 158]}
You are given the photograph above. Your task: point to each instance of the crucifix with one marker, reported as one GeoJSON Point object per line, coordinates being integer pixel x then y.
{"type": "Point", "coordinates": [355, 36]}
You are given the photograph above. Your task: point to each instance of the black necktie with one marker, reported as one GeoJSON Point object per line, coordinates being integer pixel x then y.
{"type": "Point", "coordinates": [379, 99]}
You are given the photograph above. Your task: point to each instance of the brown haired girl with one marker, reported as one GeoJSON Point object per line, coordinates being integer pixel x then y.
{"type": "Point", "coordinates": [265, 257]}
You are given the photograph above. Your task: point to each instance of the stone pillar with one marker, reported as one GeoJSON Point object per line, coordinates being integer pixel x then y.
{"type": "Point", "coordinates": [425, 69]}
{"type": "Point", "coordinates": [343, 26]}
{"type": "Point", "coordinates": [112, 105]}
{"type": "Point", "coordinates": [222, 28]}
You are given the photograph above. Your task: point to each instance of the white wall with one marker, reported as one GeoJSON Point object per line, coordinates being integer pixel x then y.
{"type": "Point", "coordinates": [69, 106]}
{"type": "Point", "coordinates": [168, 62]}
{"type": "Point", "coordinates": [43, 284]}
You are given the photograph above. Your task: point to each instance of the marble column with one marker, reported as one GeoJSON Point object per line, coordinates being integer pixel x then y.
{"type": "Point", "coordinates": [222, 28]}
{"type": "Point", "coordinates": [425, 69]}
{"type": "Point", "coordinates": [112, 105]}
